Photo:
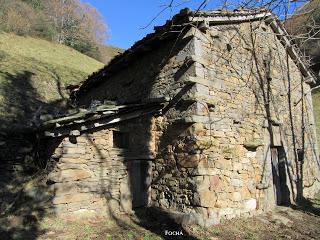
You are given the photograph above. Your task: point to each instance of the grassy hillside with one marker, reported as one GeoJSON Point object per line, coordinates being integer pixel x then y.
{"type": "Point", "coordinates": [305, 23]}
{"type": "Point", "coordinates": [33, 77]}
{"type": "Point", "coordinates": [108, 52]}
{"type": "Point", "coordinates": [316, 110]}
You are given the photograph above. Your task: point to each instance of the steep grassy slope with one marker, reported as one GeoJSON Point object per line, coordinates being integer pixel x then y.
{"type": "Point", "coordinates": [316, 110]}
{"type": "Point", "coordinates": [33, 76]}
{"type": "Point", "coordinates": [305, 24]}
{"type": "Point", "coordinates": [108, 52]}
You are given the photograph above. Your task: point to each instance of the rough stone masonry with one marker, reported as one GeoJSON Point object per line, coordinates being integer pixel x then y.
{"type": "Point", "coordinates": [235, 135]}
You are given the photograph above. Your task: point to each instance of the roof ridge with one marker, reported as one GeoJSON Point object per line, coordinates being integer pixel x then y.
{"type": "Point", "coordinates": [184, 17]}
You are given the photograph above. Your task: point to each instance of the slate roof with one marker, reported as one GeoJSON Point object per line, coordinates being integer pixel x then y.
{"type": "Point", "coordinates": [95, 117]}
{"type": "Point", "coordinates": [187, 18]}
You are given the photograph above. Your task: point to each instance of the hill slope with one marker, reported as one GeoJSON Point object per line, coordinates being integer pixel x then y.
{"type": "Point", "coordinates": [33, 76]}
{"type": "Point", "coordinates": [108, 52]}
{"type": "Point", "coordinates": [305, 25]}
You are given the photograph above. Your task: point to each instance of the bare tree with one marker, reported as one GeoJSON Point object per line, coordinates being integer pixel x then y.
{"type": "Point", "coordinates": [77, 24]}
{"type": "Point", "coordinates": [16, 16]}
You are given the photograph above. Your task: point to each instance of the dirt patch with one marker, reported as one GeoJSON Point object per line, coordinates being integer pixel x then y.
{"type": "Point", "coordinates": [282, 223]}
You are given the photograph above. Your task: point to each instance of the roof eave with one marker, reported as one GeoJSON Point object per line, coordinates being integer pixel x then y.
{"type": "Point", "coordinates": [230, 19]}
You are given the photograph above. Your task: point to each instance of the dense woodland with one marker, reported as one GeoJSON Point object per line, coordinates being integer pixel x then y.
{"type": "Point", "coordinates": [68, 22]}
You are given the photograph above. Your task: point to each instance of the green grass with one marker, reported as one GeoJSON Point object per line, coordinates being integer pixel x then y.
{"type": "Point", "coordinates": [316, 110]}
{"type": "Point", "coordinates": [34, 73]}
{"type": "Point", "coordinates": [108, 52]}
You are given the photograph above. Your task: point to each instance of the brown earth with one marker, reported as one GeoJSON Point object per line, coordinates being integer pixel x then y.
{"type": "Point", "coordinates": [282, 223]}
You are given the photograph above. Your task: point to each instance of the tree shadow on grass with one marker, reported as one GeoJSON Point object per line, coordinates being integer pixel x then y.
{"type": "Point", "coordinates": [162, 223]}
{"type": "Point", "coordinates": [21, 104]}
{"type": "Point", "coordinates": [20, 100]}
{"type": "Point", "coordinates": [24, 199]}
{"type": "Point", "coordinates": [309, 205]}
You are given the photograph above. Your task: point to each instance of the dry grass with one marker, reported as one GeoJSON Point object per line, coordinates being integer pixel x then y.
{"type": "Point", "coordinates": [35, 72]}
{"type": "Point", "coordinates": [316, 110]}
{"type": "Point", "coordinates": [108, 52]}
{"type": "Point", "coordinates": [297, 224]}
{"type": "Point", "coordinates": [94, 229]}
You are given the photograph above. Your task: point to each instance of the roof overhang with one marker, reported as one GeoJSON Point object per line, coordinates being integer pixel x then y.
{"type": "Point", "coordinates": [102, 116]}
{"type": "Point", "coordinates": [187, 17]}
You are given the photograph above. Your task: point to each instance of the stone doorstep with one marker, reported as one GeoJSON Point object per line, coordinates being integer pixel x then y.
{"type": "Point", "coordinates": [97, 210]}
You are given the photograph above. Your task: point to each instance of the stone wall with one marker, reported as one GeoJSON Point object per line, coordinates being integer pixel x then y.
{"type": "Point", "coordinates": [236, 100]}
{"type": "Point", "coordinates": [263, 99]}
{"type": "Point", "coordinates": [90, 176]}
{"type": "Point", "coordinates": [244, 110]}
{"type": "Point", "coordinates": [152, 75]}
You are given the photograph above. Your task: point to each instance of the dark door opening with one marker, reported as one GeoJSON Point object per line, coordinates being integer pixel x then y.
{"type": "Point", "coordinates": [279, 176]}
{"type": "Point", "coordinates": [140, 178]}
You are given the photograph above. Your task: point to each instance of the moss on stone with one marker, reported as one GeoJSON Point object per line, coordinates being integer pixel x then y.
{"type": "Point", "coordinates": [253, 144]}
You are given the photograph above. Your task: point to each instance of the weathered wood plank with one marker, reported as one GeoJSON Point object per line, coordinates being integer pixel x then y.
{"type": "Point", "coordinates": [75, 128]}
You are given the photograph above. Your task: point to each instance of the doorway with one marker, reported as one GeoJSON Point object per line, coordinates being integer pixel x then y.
{"type": "Point", "coordinates": [140, 179]}
{"type": "Point", "coordinates": [279, 176]}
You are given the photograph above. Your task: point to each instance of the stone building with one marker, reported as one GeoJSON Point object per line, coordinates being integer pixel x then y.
{"type": "Point", "coordinates": [209, 117]}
